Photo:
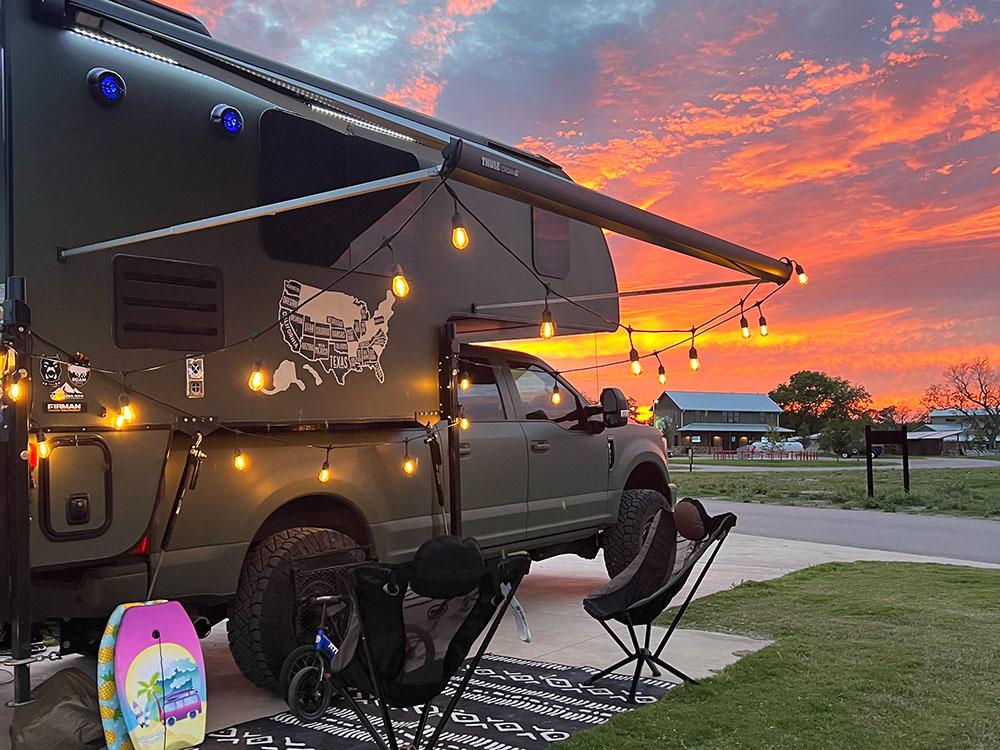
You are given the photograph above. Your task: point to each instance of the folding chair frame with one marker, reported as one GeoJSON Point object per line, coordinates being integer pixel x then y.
{"type": "Point", "coordinates": [393, 743]}
{"type": "Point", "coordinates": [641, 654]}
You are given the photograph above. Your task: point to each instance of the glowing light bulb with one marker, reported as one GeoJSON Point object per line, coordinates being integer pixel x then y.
{"type": "Point", "coordinates": [802, 276]}
{"type": "Point", "coordinates": [324, 473]}
{"type": "Point", "coordinates": [44, 449]}
{"type": "Point", "coordinates": [15, 390]}
{"type": "Point", "coordinates": [464, 423]}
{"type": "Point", "coordinates": [634, 363]}
{"type": "Point", "coordinates": [661, 375]}
{"type": "Point", "coordinates": [256, 380]}
{"type": "Point", "coordinates": [464, 381]}
{"type": "Point", "coordinates": [400, 286]}
{"type": "Point", "coordinates": [547, 329]}
{"type": "Point", "coordinates": [409, 464]}
{"type": "Point", "coordinates": [763, 326]}
{"type": "Point", "coordinates": [459, 234]}
{"type": "Point", "coordinates": [693, 358]}
{"type": "Point", "coordinates": [240, 461]}
{"type": "Point", "coordinates": [120, 421]}
{"type": "Point", "coordinates": [125, 409]}
{"type": "Point", "coordinates": [556, 395]}
{"type": "Point", "coordinates": [744, 327]}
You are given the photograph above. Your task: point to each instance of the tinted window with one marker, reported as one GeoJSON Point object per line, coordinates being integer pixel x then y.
{"type": "Point", "coordinates": [299, 157]}
{"type": "Point", "coordinates": [534, 388]}
{"type": "Point", "coordinates": [550, 243]}
{"type": "Point", "coordinates": [482, 402]}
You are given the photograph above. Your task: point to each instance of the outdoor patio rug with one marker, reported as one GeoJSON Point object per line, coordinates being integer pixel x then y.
{"type": "Point", "coordinates": [510, 704]}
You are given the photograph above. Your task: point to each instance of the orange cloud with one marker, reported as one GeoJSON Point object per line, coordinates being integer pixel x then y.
{"type": "Point", "coordinates": [944, 21]}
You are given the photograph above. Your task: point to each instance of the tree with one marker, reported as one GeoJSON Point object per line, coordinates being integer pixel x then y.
{"type": "Point", "coordinates": [840, 436]}
{"type": "Point", "coordinates": [892, 416]}
{"type": "Point", "coordinates": [972, 389]}
{"type": "Point", "coordinates": [812, 399]}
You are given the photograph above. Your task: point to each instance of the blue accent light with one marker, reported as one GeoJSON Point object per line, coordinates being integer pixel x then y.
{"type": "Point", "coordinates": [228, 119]}
{"type": "Point", "coordinates": [106, 86]}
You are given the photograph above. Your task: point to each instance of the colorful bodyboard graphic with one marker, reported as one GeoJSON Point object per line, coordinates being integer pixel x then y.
{"type": "Point", "coordinates": [158, 675]}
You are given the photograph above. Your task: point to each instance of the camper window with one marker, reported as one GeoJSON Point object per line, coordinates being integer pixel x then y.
{"type": "Point", "coordinates": [550, 243]}
{"type": "Point", "coordinates": [299, 157]}
{"type": "Point", "coordinates": [482, 401]}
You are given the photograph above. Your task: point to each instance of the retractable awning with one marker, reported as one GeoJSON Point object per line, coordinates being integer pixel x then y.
{"type": "Point", "coordinates": [487, 169]}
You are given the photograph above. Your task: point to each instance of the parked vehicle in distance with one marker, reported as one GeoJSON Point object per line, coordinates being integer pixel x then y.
{"type": "Point", "coordinates": [766, 446]}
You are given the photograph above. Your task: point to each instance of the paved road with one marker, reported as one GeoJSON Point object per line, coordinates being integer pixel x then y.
{"type": "Point", "coordinates": [679, 464]}
{"type": "Point", "coordinates": [938, 536]}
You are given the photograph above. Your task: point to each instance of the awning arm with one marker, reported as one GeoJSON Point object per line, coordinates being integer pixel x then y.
{"type": "Point", "coordinates": [490, 170]}
{"type": "Point", "coordinates": [271, 209]}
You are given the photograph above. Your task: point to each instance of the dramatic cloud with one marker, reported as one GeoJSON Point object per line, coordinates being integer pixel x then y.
{"type": "Point", "coordinates": [860, 139]}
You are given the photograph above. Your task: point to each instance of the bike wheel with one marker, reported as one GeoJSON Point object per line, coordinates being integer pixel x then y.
{"type": "Point", "coordinates": [309, 693]}
{"type": "Point", "coordinates": [300, 658]}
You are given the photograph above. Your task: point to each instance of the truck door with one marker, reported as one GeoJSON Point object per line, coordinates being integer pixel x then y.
{"type": "Point", "coordinates": [494, 461]}
{"type": "Point", "coordinates": [567, 464]}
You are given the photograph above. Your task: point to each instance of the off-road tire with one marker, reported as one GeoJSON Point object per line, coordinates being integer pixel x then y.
{"type": "Point", "coordinates": [262, 623]}
{"type": "Point", "coordinates": [623, 539]}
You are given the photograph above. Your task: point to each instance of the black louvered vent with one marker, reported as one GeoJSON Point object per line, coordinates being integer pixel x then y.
{"type": "Point", "coordinates": [167, 304]}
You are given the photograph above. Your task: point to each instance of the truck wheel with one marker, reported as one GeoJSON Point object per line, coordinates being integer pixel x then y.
{"type": "Point", "coordinates": [262, 618]}
{"type": "Point", "coordinates": [623, 539]}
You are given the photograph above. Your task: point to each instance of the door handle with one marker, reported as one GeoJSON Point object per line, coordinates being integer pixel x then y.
{"type": "Point", "coordinates": [539, 446]}
{"type": "Point", "coordinates": [464, 450]}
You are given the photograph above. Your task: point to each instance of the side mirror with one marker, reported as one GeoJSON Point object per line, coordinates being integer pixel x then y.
{"type": "Point", "coordinates": [614, 407]}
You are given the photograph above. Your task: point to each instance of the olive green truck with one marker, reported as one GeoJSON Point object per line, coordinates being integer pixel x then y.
{"type": "Point", "coordinates": [241, 324]}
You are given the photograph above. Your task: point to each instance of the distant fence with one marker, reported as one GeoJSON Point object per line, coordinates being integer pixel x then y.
{"type": "Point", "coordinates": [765, 455]}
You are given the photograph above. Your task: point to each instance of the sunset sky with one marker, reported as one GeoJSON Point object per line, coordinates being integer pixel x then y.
{"type": "Point", "coordinates": [861, 138]}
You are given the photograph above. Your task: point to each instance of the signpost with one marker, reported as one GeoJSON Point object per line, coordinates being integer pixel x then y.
{"type": "Point", "coordinates": [887, 437]}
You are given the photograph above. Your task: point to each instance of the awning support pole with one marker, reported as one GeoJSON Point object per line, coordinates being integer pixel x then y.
{"type": "Point", "coordinates": [14, 479]}
{"type": "Point", "coordinates": [450, 411]}
{"type": "Point", "coordinates": [553, 300]}
{"type": "Point", "coordinates": [271, 209]}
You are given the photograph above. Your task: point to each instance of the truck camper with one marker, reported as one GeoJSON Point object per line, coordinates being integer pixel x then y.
{"type": "Point", "coordinates": [240, 328]}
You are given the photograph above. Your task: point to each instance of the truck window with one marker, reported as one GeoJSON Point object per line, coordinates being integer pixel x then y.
{"type": "Point", "coordinates": [534, 388]}
{"type": "Point", "coordinates": [482, 402]}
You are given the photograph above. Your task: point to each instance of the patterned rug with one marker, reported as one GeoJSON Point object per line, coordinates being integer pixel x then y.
{"type": "Point", "coordinates": [510, 704]}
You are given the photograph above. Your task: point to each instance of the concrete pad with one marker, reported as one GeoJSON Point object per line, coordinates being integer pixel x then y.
{"type": "Point", "coordinates": [562, 631]}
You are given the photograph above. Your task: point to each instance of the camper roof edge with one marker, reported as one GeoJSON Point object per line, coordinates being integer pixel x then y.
{"type": "Point", "coordinates": [486, 169]}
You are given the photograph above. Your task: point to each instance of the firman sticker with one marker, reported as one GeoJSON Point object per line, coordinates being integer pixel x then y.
{"type": "Point", "coordinates": [195, 372]}
{"type": "Point", "coordinates": [66, 407]}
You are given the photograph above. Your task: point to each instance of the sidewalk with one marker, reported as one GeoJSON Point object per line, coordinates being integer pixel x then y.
{"type": "Point", "coordinates": [562, 632]}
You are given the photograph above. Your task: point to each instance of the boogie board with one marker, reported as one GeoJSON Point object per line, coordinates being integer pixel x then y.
{"type": "Point", "coordinates": [159, 678]}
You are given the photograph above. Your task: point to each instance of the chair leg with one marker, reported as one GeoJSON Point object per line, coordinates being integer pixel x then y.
{"type": "Point", "coordinates": [420, 726]}
{"type": "Point", "coordinates": [363, 718]}
{"type": "Point", "coordinates": [604, 673]}
{"type": "Point", "coordinates": [615, 637]}
{"type": "Point", "coordinates": [640, 660]}
{"type": "Point", "coordinates": [674, 671]}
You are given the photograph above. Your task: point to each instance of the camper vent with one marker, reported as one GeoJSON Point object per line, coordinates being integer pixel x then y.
{"type": "Point", "coordinates": [167, 304]}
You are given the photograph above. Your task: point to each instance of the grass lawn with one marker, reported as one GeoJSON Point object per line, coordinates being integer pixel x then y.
{"type": "Point", "coordinates": [679, 463]}
{"type": "Point", "coordinates": [880, 656]}
{"type": "Point", "coordinates": [965, 492]}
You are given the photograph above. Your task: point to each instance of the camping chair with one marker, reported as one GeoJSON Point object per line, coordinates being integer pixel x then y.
{"type": "Point", "coordinates": [636, 596]}
{"type": "Point", "coordinates": [412, 626]}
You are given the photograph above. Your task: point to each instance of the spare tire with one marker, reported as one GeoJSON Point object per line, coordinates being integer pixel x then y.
{"type": "Point", "coordinates": [623, 539]}
{"type": "Point", "coordinates": [262, 617]}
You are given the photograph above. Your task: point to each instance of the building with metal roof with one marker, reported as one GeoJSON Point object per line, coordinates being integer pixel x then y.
{"type": "Point", "coordinates": [712, 420]}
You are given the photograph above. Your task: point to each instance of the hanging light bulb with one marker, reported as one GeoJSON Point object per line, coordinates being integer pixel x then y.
{"type": "Point", "coordinates": [693, 355]}
{"type": "Point", "coordinates": [256, 380]}
{"type": "Point", "coordinates": [547, 328]}
{"type": "Point", "coordinates": [744, 327]}
{"type": "Point", "coordinates": [803, 278]}
{"type": "Point", "coordinates": [44, 449]}
{"type": "Point", "coordinates": [463, 421]}
{"type": "Point", "coordinates": [763, 324]}
{"type": "Point", "coordinates": [126, 411]}
{"type": "Point", "coordinates": [633, 356]}
{"type": "Point", "coordinates": [324, 472]}
{"type": "Point", "coordinates": [661, 372]}
{"type": "Point", "coordinates": [459, 234]}
{"type": "Point", "coordinates": [120, 421]}
{"type": "Point", "coordinates": [464, 381]}
{"type": "Point", "coordinates": [409, 462]}
{"type": "Point", "coordinates": [556, 397]}
{"type": "Point", "coordinates": [400, 286]}
{"type": "Point", "coordinates": [15, 389]}
{"type": "Point", "coordinates": [240, 461]}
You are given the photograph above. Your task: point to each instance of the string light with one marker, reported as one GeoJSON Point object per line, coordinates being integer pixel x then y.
{"type": "Point", "coordinates": [464, 381]}
{"type": "Point", "coordinates": [633, 356]}
{"type": "Point", "coordinates": [324, 472]}
{"type": "Point", "coordinates": [44, 449]}
{"type": "Point", "coordinates": [762, 322]}
{"type": "Point", "coordinates": [409, 462]}
{"type": "Point", "coordinates": [459, 234]}
{"type": "Point", "coordinates": [463, 421]}
{"type": "Point", "coordinates": [240, 461]}
{"type": "Point", "coordinates": [547, 328]}
{"type": "Point", "coordinates": [400, 286]}
{"type": "Point", "coordinates": [744, 324]}
{"type": "Point", "coordinates": [693, 355]}
{"type": "Point", "coordinates": [556, 395]}
{"type": "Point", "coordinates": [126, 412]}
{"type": "Point", "coordinates": [14, 389]}
{"type": "Point", "coordinates": [256, 380]}
{"type": "Point", "coordinates": [803, 278]}
{"type": "Point", "coordinates": [661, 372]}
